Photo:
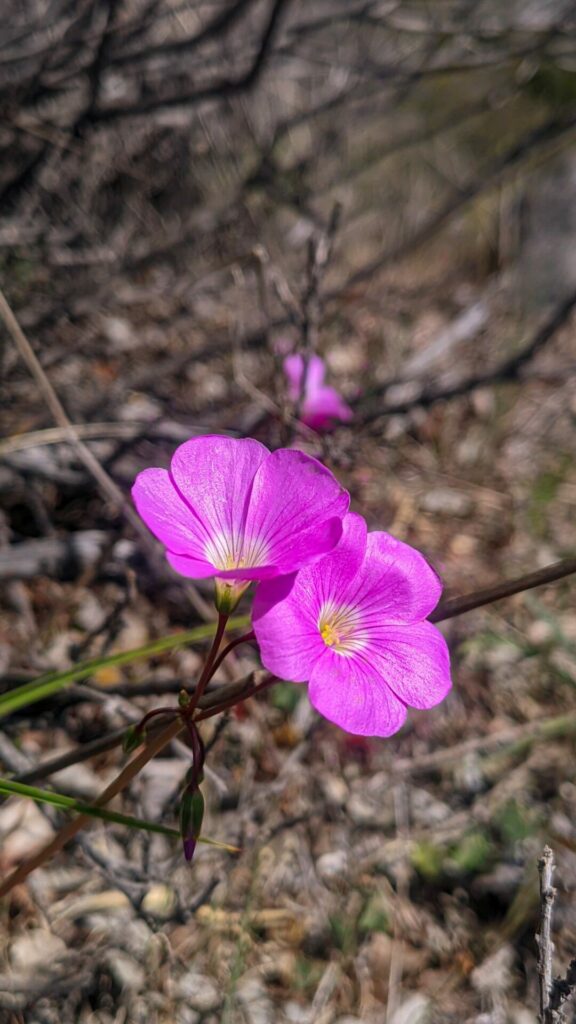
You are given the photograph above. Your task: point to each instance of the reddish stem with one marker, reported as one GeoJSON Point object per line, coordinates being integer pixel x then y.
{"type": "Point", "coordinates": [230, 647]}
{"type": "Point", "coordinates": [153, 714]}
{"type": "Point", "coordinates": [208, 670]}
{"type": "Point", "coordinates": [252, 691]}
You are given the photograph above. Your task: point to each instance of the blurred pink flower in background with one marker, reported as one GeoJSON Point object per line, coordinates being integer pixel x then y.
{"type": "Point", "coordinates": [353, 627]}
{"type": "Point", "coordinates": [321, 406]}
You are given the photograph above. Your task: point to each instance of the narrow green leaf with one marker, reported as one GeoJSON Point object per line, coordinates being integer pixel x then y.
{"type": "Point", "coordinates": [52, 682]}
{"type": "Point", "coordinates": [69, 803]}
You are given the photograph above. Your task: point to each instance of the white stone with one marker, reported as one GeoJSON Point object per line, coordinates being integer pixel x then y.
{"type": "Point", "coordinates": [332, 865]}
{"type": "Point", "coordinates": [199, 991]}
{"type": "Point", "coordinates": [129, 975]}
{"type": "Point", "coordinates": [414, 1010]}
{"type": "Point", "coordinates": [35, 948]}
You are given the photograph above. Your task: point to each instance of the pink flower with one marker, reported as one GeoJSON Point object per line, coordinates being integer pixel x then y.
{"type": "Point", "coordinates": [352, 626]}
{"type": "Point", "coordinates": [232, 509]}
{"type": "Point", "coordinates": [321, 405]}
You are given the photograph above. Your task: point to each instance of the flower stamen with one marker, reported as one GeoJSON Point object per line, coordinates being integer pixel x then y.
{"type": "Point", "coordinates": [329, 635]}
{"type": "Point", "coordinates": [339, 629]}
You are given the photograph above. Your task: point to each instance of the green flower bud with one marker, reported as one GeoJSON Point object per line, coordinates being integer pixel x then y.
{"type": "Point", "coordinates": [133, 737]}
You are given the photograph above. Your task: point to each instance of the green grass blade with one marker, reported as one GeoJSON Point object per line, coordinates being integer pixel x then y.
{"type": "Point", "coordinates": [68, 803]}
{"type": "Point", "coordinates": [52, 682]}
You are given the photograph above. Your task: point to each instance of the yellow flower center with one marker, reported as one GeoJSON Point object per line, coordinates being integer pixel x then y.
{"type": "Point", "coordinates": [329, 635]}
{"type": "Point", "coordinates": [340, 628]}
{"type": "Point", "coordinates": [236, 553]}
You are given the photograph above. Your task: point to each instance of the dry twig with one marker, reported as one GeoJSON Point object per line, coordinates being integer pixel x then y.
{"type": "Point", "coordinates": [553, 993]}
{"type": "Point", "coordinates": [104, 481]}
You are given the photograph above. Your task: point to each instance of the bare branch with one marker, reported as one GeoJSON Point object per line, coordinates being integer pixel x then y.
{"type": "Point", "coordinates": [224, 88]}
{"type": "Point", "coordinates": [104, 481]}
{"type": "Point", "coordinates": [459, 605]}
{"type": "Point", "coordinates": [544, 937]}
{"type": "Point", "coordinates": [507, 371]}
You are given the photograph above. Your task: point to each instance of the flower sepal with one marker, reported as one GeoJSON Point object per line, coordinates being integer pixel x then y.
{"type": "Point", "coordinates": [227, 594]}
{"type": "Point", "coordinates": [133, 738]}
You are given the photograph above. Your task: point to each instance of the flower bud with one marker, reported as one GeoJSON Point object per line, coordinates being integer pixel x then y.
{"type": "Point", "coordinates": [191, 815]}
{"type": "Point", "coordinates": [133, 737]}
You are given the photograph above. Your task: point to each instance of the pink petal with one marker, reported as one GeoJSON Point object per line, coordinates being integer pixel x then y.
{"type": "Point", "coordinates": [286, 628]}
{"type": "Point", "coordinates": [323, 407]}
{"type": "Point", "coordinates": [347, 692]}
{"type": "Point", "coordinates": [286, 610]}
{"type": "Point", "coordinates": [214, 476]}
{"type": "Point", "coordinates": [168, 516]}
{"type": "Point", "coordinates": [414, 662]}
{"type": "Point", "coordinates": [294, 368]}
{"type": "Point", "coordinates": [194, 568]}
{"type": "Point", "coordinates": [396, 583]}
{"type": "Point", "coordinates": [296, 509]}
{"type": "Point", "coordinates": [330, 579]}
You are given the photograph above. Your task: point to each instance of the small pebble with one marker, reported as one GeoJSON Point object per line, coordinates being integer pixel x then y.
{"type": "Point", "coordinates": [37, 947]}
{"type": "Point", "coordinates": [446, 501]}
{"type": "Point", "coordinates": [127, 974]}
{"type": "Point", "coordinates": [332, 865]}
{"type": "Point", "coordinates": [415, 1010]}
{"type": "Point", "coordinates": [199, 991]}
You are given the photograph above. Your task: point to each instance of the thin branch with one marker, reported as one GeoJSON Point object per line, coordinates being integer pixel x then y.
{"type": "Point", "coordinates": [459, 605]}
{"type": "Point", "coordinates": [224, 88]}
{"type": "Point", "coordinates": [509, 370]}
{"type": "Point", "coordinates": [319, 255]}
{"type": "Point", "coordinates": [562, 988]}
{"type": "Point", "coordinates": [104, 481]}
{"type": "Point", "coordinates": [210, 700]}
{"type": "Point", "coordinates": [154, 745]}
{"type": "Point", "coordinates": [215, 28]}
{"type": "Point", "coordinates": [550, 132]}
{"type": "Point", "coordinates": [106, 484]}
{"type": "Point", "coordinates": [553, 993]}
{"type": "Point", "coordinates": [544, 729]}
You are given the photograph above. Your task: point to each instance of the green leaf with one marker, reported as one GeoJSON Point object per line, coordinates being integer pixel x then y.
{"type": "Point", "coordinates": [515, 822]}
{"type": "Point", "coordinates": [69, 803]}
{"type": "Point", "coordinates": [285, 696]}
{"type": "Point", "coordinates": [52, 682]}
{"type": "Point", "coordinates": [428, 860]}
{"type": "Point", "coordinates": [473, 853]}
{"type": "Point", "coordinates": [375, 916]}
